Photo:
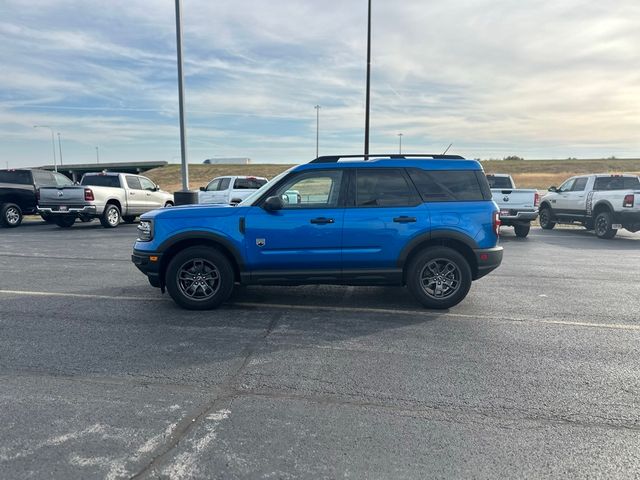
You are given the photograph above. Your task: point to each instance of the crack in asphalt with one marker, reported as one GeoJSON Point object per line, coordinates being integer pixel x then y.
{"type": "Point", "coordinates": [228, 392]}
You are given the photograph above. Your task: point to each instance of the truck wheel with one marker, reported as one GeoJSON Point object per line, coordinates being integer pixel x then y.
{"type": "Point", "coordinates": [545, 217]}
{"type": "Point", "coordinates": [47, 218]}
{"type": "Point", "coordinates": [111, 216]}
{"type": "Point", "coordinates": [168, 205]}
{"type": "Point", "coordinates": [199, 278]}
{"type": "Point", "coordinates": [603, 226]}
{"type": "Point", "coordinates": [129, 218]}
{"type": "Point", "coordinates": [64, 221]}
{"type": "Point", "coordinates": [522, 230]}
{"type": "Point", "coordinates": [439, 277]}
{"type": "Point", "coordinates": [10, 215]}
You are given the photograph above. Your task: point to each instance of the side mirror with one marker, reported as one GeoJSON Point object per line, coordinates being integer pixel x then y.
{"type": "Point", "coordinates": [203, 189]}
{"type": "Point", "coordinates": [156, 188]}
{"type": "Point", "coordinates": [553, 189]}
{"type": "Point", "coordinates": [272, 204]}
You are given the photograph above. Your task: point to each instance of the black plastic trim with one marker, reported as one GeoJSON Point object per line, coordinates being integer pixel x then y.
{"type": "Point", "coordinates": [434, 235]}
{"type": "Point", "coordinates": [203, 235]}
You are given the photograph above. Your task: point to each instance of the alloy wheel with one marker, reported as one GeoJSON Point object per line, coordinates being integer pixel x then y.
{"type": "Point", "coordinates": [440, 278]}
{"type": "Point", "coordinates": [198, 279]}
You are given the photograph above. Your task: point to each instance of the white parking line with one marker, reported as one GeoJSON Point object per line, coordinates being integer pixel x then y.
{"type": "Point", "coordinates": [311, 308]}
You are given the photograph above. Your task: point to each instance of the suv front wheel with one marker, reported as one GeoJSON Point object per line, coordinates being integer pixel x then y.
{"type": "Point", "coordinates": [199, 278]}
{"type": "Point", "coordinates": [439, 277]}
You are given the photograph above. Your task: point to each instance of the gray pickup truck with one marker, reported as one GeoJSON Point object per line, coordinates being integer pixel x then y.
{"type": "Point", "coordinates": [107, 196]}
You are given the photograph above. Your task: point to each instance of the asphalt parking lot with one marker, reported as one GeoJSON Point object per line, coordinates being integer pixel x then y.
{"type": "Point", "coordinates": [535, 374]}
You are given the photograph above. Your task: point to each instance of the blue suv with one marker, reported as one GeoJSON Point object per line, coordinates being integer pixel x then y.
{"type": "Point", "coordinates": [424, 221]}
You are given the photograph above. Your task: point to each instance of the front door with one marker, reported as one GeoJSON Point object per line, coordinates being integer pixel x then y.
{"type": "Point", "coordinates": [302, 241]}
{"type": "Point", "coordinates": [385, 212]}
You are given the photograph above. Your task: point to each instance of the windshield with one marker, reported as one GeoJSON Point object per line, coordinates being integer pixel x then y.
{"type": "Point", "coordinates": [258, 193]}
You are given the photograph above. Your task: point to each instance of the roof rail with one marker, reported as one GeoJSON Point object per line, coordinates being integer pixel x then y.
{"type": "Point", "coordinates": [392, 156]}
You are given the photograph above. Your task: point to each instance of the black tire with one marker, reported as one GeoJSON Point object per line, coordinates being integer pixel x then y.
{"type": "Point", "coordinates": [10, 215]}
{"type": "Point", "coordinates": [129, 218]}
{"type": "Point", "coordinates": [197, 267]}
{"type": "Point", "coordinates": [85, 219]}
{"type": "Point", "coordinates": [546, 218]}
{"type": "Point", "coordinates": [522, 230]}
{"type": "Point", "coordinates": [110, 218]}
{"type": "Point", "coordinates": [65, 221]}
{"type": "Point", "coordinates": [603, 226]}
{"type": "Point", "coordinates": [168, 205]}
{"type": "Point", "coordinates": [441, 265]}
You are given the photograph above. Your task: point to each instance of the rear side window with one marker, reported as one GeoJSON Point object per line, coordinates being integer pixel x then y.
{"type": "Point", "coordinates": [499, 182]}
{"type": "Point", "coordinates": [16, 177]}
{"type": "Point", "coordinates": [384, 188]}
{"type": "Point", "coordinates": [579, 185]}
{"type": "Point", "coordinates": [133, 182]}
{"type": "Point", "coordinates": [248, 183]}
{"type": "Point", "coordinates": [617, 183]}
{"type": "Point", "coordinates": [224, 184]}
{"type": "Point", "coordinates": [447, 185]}
{"type": "Point", "coordinates": [101, 181]}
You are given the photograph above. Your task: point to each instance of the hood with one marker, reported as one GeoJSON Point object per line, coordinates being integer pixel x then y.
{"type": "Point", "coordinates": [194, 211]}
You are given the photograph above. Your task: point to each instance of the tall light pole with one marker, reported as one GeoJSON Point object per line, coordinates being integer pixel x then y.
{"type": "Point", "coordinates": [317, 107]}
{"type": "Point", "coordinates": [53, 144]}
{"type": "Point", "coordinates": [97, 155]}
{"type": "Point", "coordinates": [60, 147]}
{"type": "Point", "coordinates": [368, 95]}
{"type": "Point", "coordinates": [400, 149]}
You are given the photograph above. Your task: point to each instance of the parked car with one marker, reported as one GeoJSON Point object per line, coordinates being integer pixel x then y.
{"type": "Point", "coordinates": [518, 207]}
{"type": "Point", "coordinates": [229, 190]}
{"type": "Point", "coordinates": [604, 203]}
{"type": "Point", "coordinates": [428, 223]}
{"type": "Point", "coordinates": [19, 192]}
{"type": "Point", "coordinates": [107, 196]}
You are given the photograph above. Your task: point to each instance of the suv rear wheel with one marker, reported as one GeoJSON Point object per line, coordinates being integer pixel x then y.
{"type": "Point", "coordinates": [439, 277]}
{"type": "Point", "coordinates": [199, 278]}
{"type": "Point", "coordinates": [545, 217]}
{"type": "Point", "coordinates": [10, 215]}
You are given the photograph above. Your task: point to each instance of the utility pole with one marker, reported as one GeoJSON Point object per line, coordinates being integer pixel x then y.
{"type": "Point", "coordinates": [97, 155]}
{"type": "Point", "coordinates": [317, 107]}
{"type": "Point", "coordinates": [368, 95]}
{"type": "Point", "coordinates": [53, 144]}
{"type": "Point", "coordinates": [400, 149]}
{"type": "Point", "coordinates": [60, 147]}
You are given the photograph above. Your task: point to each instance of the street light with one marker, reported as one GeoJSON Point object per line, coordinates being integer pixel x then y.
{"type": "Point", "coordinates": [400, 149]}
{"type": "Point", "coordinates": [53, 144]}
{"type": "Point", "coordinates": [317, 107]}
{"type": "Point", "coordinates": [368, 95]}
{"type": "Point", "coordinates": [60, 147]}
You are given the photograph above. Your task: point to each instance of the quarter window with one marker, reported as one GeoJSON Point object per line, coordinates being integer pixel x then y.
{"type": "Point", "coordinates": [447, 185]}
{"type": "Point", "coordinates": [383, 188]}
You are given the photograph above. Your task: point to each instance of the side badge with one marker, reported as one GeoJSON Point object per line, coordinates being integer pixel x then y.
{"type": "Point", "coordinates": [260, 242]}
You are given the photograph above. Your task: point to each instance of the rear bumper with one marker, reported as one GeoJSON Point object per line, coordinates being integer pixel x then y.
{"type": "Point", "coordinates": [487, 259]}
{"type": "Point", "coordinates": [516, 216]}
{"type": "Point", "coordinates": [79, 210]}
{"type": "Point", "coordinates": [149, 264]}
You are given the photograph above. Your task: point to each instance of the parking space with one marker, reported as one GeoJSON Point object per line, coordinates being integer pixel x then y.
{"type": "Point", "coordinates": [536, 373]}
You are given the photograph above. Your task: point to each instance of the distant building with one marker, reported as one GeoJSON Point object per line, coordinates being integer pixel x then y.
{"type": "Point", "coordinates": [227, 161]}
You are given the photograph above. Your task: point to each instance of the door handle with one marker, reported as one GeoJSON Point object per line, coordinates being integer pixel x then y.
{"type": "Point", "coordinates": [132, 193]}
{"type": "Point", "coordinates": [404, 219]}
{"type": "Point", "coordinates": [322, 221]}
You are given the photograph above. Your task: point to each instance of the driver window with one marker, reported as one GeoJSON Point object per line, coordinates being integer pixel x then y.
{"type": "Point", "coordinates": [147, 184]}
{"type": "Point", "coordinates": [566, 186]}
{"type": "Point", "coordinates": [312, 190]}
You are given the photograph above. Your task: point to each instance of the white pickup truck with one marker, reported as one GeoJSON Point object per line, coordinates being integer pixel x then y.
{"type": "Point", "coordinates": [604, 203]}
{"type": "Point", "coordinates": [107, 196]}
{"type": "Point", "coordinates": [518, 207]}
{"type": "Point", "coordinates": [229, 190]}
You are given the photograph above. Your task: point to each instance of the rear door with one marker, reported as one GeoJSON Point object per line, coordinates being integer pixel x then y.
{"type": "Point", "coordinates": [383, 213]}
{"type": "Point", "coordinates": [137, 202]}
{"type": "Point", "coordinates": [302, 240]}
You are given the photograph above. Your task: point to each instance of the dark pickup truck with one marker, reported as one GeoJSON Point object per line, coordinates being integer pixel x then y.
{"type": "Point", "coordinates": [19, 192]}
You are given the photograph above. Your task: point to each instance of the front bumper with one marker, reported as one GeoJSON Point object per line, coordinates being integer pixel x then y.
{"type": "Point", "coordinates": [79, 210]}
{"type": "Point", "coordinates": [149, 264]}
{"type": "Point", "coordinates": [487, 259]}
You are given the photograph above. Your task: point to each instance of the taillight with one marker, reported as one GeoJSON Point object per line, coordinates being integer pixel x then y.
{"type": "Point", "coordinates": [496, 223]}
{"type": "Point", "coordinates": [37, 195]}
{"type": "Point", "coordinates": [88, 195]}
{"type": "Point", "coordinates": [628, 201]}
{"type": "Point", "coordinates": [536, 200]}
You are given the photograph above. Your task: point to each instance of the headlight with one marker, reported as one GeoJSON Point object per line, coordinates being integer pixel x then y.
{"type": "Point", "coordinates": [145, 231]}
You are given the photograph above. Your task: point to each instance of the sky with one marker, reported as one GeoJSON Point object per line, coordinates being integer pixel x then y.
{"type": "Point", "coordinates": [533, 78]}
